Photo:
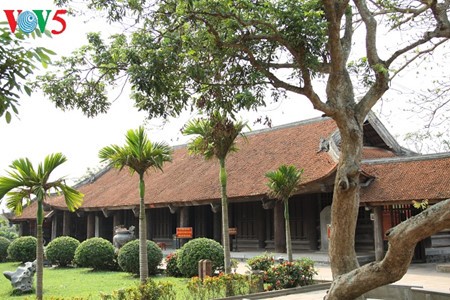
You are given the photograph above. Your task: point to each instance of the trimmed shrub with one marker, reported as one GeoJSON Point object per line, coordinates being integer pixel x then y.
{"type": "Point", "coordinates": [290, 274]}
{"type": "Point", "coordinates": [171, 265]}
{"type": "Point", "coordinates": [150, 290]}
{"type": "Point", "coordinates": [61, 250]}
{"type": "Point", "coordinates": [261, 262]}
{"type": "Point", "coordinates": [96, 253]}
{"type": "Point", "coordinates": [195, 250]}
{"type": "Point", "coordinates": [4, 244]}
{"type": "Point", "coordinates": [23, 249]}
{"type": "Point", "coordinates": [128, 257]}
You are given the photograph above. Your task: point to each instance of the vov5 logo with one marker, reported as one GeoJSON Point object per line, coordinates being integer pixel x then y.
{"type": "Point", "coordinates": [28, 20]}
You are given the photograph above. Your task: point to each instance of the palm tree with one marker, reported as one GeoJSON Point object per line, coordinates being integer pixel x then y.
{"type": "Point", "coordinates": [24, 183]}
{"type": "Point", "coordinates": [215, 137]}
{"type": "Point", "coordinates": [139, 154]}
{"type": "Point", "coordinates": [282, 184]}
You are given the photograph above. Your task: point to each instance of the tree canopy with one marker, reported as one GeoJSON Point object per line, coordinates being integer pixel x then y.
{"type": "Point", "coordinates": [17, 61]}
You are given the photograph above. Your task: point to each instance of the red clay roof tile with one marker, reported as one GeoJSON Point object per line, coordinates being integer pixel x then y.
{"type": "Point", "coordinates": [405, 179]}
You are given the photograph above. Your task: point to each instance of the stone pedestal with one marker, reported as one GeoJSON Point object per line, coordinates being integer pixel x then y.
{"type": "Point", "coordinates": [325, 220]}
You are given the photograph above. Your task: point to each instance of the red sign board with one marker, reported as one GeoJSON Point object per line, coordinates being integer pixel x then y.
{"type": "Point", "coordinates": [232, 231]}
{"type": "Point", "coordinates": [184, 232]}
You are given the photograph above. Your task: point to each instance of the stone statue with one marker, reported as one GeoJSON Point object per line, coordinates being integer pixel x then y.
{"type": "Point", "coordinates": [22, 278]}
{"type": "Point", "coordinates": [122, 236]}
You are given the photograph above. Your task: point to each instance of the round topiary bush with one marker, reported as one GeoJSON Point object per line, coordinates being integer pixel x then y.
{"type": "Point", "coordinates": [96, 253]}
{"type": "Point", "coordinates": [61, 250]}
{"type": "Point", "coordinates": [195, 250]}
{"type": "Point", "coordinates": [23, 249]}
{"type": "Point", "coordinates": [4, 244]}
{"type": "Point", "coordinates": [128, 257]}
{"type": "Point", "coordinates": [171, 265]}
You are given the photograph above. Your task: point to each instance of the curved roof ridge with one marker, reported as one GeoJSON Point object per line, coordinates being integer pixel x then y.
{"type": "Point", "coordinates": [396, 159]}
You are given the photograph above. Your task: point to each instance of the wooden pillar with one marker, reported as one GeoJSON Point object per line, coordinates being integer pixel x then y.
{"type": "Point", "coordinates": [261, 227]}
{"type": "Point", "coordinates": [66, 223]}
{"type": "Point", "coordinates": [90, 228]}
{"type": "Point", "coordinates": [278, 224]}
{"type": "Point", "coordinates": [97, 226]}
{"type": "Point", "coordinates": [184, 221]}
{"type": "Point", "coordinates": [378, 232]}
{"type": "Point", "coordinates": [217, 226]}
{"type": "Point", "coordinates": [150, 233]}
{"type": "Point", "coordinates": [117, 220]}
{"type": "Point", "coordinates": [310, 215]}
{"type": "Point", "coordinates": [54, 226]}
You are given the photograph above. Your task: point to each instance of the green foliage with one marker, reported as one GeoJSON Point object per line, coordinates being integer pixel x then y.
{"type": "Point", "coordinates": [261, 262]}
{"type": "Point", "coordinates": [17, 62]}
{"type": "Point", "coordinates": [23, 249]}
{"type": "Point", "coordinates": [138, 154]}
{"type": "Point", "coordinates": [290, 274]}
{"type": "Point", "coordinates": [283, 181]}
{"type": "Point", "coordinates": [150, 290]}
{"type": "Point", "coordinates": [195, 250]}
{"type": "Point", "coordinates": [8, 231]}
{"type": "Point", "coordinates": [214, 136]}
{"type": "Point", "coordinates": [61, 250]}
{"type": "Point", "coordinates": [128, 257]}
{"type": "Point", "coordinates": [203, 54]}
{"type": "Point", "coordinates": [171, 265]}
{"type": "Point", "coordinates": [215, 287]}
{"type": "Point", "coordinates": [96, 253]}
{"type": "Point", "coordinates": [4, 244]}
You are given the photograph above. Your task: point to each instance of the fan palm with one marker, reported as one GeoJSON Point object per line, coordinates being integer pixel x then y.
{"type": "Point", "coordinates": [139, 154]}
{"type": "Point", "coordinates": [24, 183]}
{"type": "Point", "coordinates": [283, 182]}
{"type": "Point", "coordinates": [215, 137]}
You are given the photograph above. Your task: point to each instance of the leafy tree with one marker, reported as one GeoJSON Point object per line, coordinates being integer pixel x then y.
{"type": "Point", "coordinates": [283, 182]}
{"type": "Point", "coordinates": [215, 138]}
{"type": "Point", "coordinates": [139, 154]}
{"type": "Point", "coordinates": [17, 62]}
{"type": "Point", "coordinates": [217, 54]}
{"type": "Point", "coordinates": [24, 182]}
{"type": "Point", "coordinates": [7, 230]}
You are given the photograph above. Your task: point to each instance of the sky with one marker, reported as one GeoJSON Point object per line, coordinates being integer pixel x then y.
{"type": "Point", "coordinates": [41, 129]}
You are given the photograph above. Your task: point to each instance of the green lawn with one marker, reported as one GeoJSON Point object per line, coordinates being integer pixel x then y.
{"type": "Point", "coordinates": [79, 282]}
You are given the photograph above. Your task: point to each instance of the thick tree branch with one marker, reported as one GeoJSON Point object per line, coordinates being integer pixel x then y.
{"type": "Point", "coordinates": [381, 84]}
{"type": "Point", "coordinates": [334, 15]}
{"type": "Point", "coordinates": [402, 240]}
{"type": "Point", "coordinates": [346, 40]}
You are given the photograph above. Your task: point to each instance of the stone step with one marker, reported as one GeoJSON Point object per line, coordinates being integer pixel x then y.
{"type": "Point", "coordinates": [444, 268]}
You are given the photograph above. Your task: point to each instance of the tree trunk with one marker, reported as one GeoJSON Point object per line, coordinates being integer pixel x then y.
{"type": "Point", "coordinates": [143, 264]}
{"type": "Point", "coordinates": [402, 240]}
{"type": "Point", "coordinates": [39, 251]}
{"type": "Point", "coordinates": [225, 235]}
{"type": "Point", "coordinates": [225, 226]}
{"type": "Point", "coordinates": [288, 230]}
{"type": "Point", "coordinates": [344, 209]}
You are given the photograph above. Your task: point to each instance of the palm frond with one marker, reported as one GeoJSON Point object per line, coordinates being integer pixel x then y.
{"type": "Point", "coordinates": [72, 197]}
{"type": "Point", "coordinates": [215, 136]}
{"type": "Point", "coordinates": [22, 169]}
{"type": "Point", "coordinates": [284, 181]}
{"type": "Point", "coordinates": [8, 184]}
{"type": "Point", "coordinates": [15, 201]}
{"type": "Point", "coordinates": [138, 154]}
{"type": "Point", "coordinates": [51, 162]}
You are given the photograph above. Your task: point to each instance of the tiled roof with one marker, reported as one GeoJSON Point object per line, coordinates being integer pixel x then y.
{"type": "Point", "coordinates": [407, 178]}
{"type": "Point", "coordinates": [191, 180]}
